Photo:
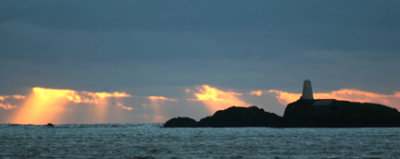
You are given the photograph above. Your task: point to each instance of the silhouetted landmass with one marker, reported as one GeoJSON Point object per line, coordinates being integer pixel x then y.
{"type": "Point", "coordinates": [333, 113]}
{"type": "Point", "coordinates": [302, 113]}
{"type": "Point", "coordinates": [231, 117]}
{"type": "Point", "coordinates": [240, 117]}
{"type": "Point", "coordinates": [181, 122]}
{"type": "Point", "coordinates": [50, 125]}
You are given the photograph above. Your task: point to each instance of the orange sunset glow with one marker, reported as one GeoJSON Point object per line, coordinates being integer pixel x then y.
{"type": "Point", "coordinates": [45, 105]}
{"type": "Point", "coordinates": [155, 102]}
{"type": "Point", "coordinates": [5, 104]}
{"type": "Point", "coordinates": [215, 99]}
{"type": "Point", "coordinates": [256, 93]}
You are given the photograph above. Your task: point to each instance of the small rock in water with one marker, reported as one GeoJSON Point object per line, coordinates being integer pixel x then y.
{"type": "Point", "coordinates": [50, 125]}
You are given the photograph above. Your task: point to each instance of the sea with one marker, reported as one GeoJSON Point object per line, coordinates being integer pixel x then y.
{"type": "Point", "coordinates": [144, 141]}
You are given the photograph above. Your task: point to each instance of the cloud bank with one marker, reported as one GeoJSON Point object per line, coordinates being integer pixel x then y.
{"type": "Point", "coordinates": [157, 111]}
{"type": "Point", "coordinates": [215, 99]}
{"type": "Point", "coordinates": [8, 102]}
{"type": "Point", "coordinates": [43, 105]}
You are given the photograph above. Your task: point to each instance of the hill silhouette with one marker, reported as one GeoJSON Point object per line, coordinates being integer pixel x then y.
{"type": "Point", "coordinates": [240, 117]}
{"type": "Point", "coordinates": [333, 113]}
{"type": "Point", "coordinates": [302, 113]}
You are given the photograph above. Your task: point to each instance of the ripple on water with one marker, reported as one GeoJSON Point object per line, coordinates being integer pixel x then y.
{"type": "Point", "coordinates": [152, 141]}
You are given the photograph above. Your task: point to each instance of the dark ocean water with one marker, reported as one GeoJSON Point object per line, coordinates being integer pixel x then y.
{"type": "Point", "coordinates": [153, 141]}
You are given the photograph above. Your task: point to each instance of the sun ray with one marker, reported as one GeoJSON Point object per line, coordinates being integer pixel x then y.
{"type": "Point", "coordinates": [155, 105]}
{"type": "Point", "coordinates": [45, 105]}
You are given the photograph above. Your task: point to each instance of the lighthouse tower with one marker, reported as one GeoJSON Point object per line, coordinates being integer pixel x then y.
{"type": "Point", "coordinates": [307, 91]}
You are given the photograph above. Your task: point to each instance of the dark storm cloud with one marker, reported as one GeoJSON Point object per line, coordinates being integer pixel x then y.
{"type": "Point", "coordinates": [241, 44]}
{"type": "Point", "coordinates": [161, 48]}
{"type": "Point", "coordinates": [178, 15]}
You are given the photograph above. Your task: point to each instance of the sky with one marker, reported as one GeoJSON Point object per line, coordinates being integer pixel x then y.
{"type": "Point", "coordinates": [145, 61]}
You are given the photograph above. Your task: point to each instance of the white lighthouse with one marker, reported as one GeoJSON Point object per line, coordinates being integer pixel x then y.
{"type": "Point", "coordinates": [307, 91]}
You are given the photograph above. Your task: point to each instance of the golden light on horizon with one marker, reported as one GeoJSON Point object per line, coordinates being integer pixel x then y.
{"type": "Point", "coordinates": [42, 106]}
{"type": "Point", "coordinates": [119, 104]}
{"type": "Point", "coordinates": [256, 92]}
{"type": "Point", "coordinates": [285, 97]}
{"type": "Point", "coordinates": [48, 105]}
{"type": "Point", "coordinates": [7, 106]}
{"type": "Point", "coordinates": [5, 101]}
{"type": "Point", "coordinates": [215, 99]}
{"type": "Point", "coordinates": [160, 98]}
{"type": "Point", "coordinates": [155, 102]}
{"type": "Point", "coordinates": [16, 96]}
{"type": "Point", "coordinates": [45, 105]}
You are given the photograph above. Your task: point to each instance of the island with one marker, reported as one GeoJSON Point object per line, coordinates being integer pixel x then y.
{"type": "Point", "coordinates": [305, 112]}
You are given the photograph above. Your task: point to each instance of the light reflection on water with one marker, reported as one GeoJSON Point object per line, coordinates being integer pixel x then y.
{"type": "Point", "coordinates": [152, 141]}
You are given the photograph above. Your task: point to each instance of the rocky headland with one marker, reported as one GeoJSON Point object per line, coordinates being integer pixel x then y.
{"type": "Point", "coordinates": [302, 113]}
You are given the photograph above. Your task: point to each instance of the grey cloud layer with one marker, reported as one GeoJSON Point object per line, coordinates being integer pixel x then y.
{"type": "Point", "coordinates": [102, 45]}
{"type": "Point", "coordinates": [178, 15]}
